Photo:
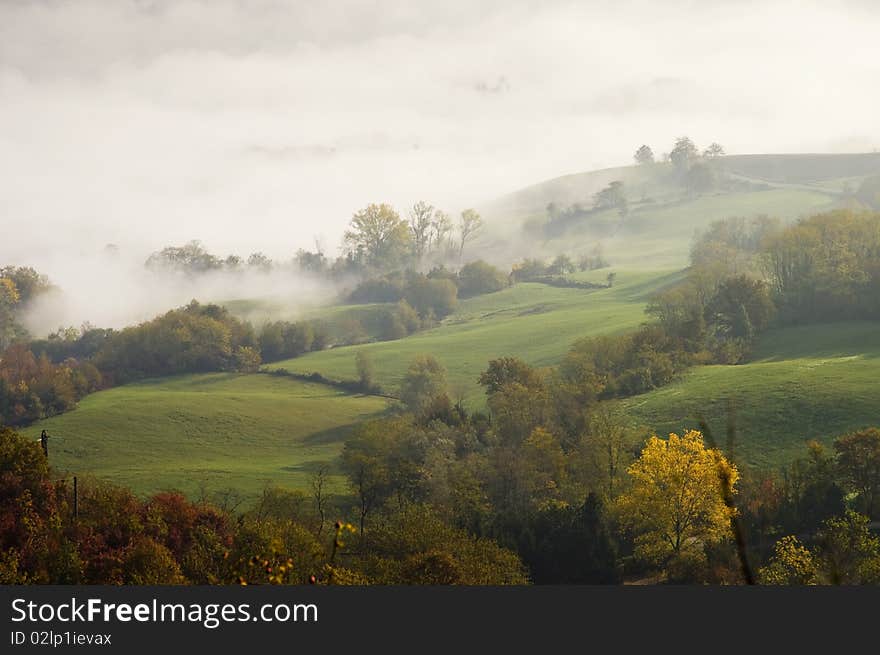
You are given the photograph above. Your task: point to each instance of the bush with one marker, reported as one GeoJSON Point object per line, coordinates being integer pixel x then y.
{"type": "Point", "coordinates": [479, 277]}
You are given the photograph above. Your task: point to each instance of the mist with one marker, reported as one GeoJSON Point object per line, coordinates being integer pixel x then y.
{"type": "Point", "coordinates": [116, 290]}
{"type": "Point", "coordinates": [262, 126]}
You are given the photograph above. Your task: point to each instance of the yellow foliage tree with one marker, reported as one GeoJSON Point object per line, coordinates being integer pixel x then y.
{"type": "Point", "coordinates": [675, 503]}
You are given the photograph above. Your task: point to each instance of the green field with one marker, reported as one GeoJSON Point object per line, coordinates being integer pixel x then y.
{"type": "Point", "coordinates": [207, 432]}
{"type": "Point", "coordinates": [813, 382]}
{"type": "Point", "coordinates": [535, 322]}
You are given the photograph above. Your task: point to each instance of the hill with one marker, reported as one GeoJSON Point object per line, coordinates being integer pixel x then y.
{"type": "Point", "coordinates": [535, 322]}
{"type": "Point", "coordinates": [663, 216]}
{"type": "Point", "coordinates": [813, 382]}
{"type": "Point", "coordinates": [206, 433]}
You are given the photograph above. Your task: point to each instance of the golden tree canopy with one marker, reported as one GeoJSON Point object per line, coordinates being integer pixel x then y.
{"type": "Point", "coordinates": [675, 501]}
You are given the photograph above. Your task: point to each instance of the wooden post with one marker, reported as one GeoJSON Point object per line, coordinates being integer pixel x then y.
{"type": "Point", "coordinates": [75, 499]}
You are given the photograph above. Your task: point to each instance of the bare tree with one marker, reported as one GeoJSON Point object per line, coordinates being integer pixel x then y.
{"type": "Point", "coordinates": [318, 482]}
{"type": "Point", "coordinates": [441, 229]}
{"type": "Point", "coordinates": [468, 227]}
{"type": "Point", "coordinates": [420, 221]}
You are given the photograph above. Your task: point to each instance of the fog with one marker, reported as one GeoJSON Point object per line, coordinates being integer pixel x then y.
{"type": "Point", "coordinates": [262, 125]}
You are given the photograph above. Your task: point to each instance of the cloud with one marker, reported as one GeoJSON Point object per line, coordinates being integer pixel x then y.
{"type": "Point", "coordinates": [262, 125]}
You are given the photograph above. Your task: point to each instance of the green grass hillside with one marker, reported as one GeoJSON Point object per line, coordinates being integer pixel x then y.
{"type": "Point", "coordinates": [535, 322]}
{"type": "Point", "coordinates": [211, 432]}
{"type": "Point", "coordinates": [813, 382]}
{"type": "Point", "coordinates": [663, 218]}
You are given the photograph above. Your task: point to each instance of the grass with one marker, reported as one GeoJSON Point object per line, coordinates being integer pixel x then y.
{"type": "Point", "coordinates": [207, 433]}
{"type": "Point", "coordinates": [813, 382]}
{"type": "Point", "coordinates": [662, 218]}
{"type": "Point", "coordinates": [661, 233]}
{"type": "Point", "coordinates": [535, 322]}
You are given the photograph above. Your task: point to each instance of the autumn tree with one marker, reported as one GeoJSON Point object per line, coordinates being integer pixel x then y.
{"type": "Point", "coordinates": [606, 450]}
{"type": "Point", "coordinates": [423, 384]}
{"type": "Point", "coordinates": [792, 564]}
{"type": "Point", "coordinates": [507, 370]}
{"type": "Point", "coordinates": [9, 298]}
{"type": "Point", "coordinates": [858, 460]}
{"type": "Point", "coordinates": [674, 504]}
{"type": "Point", "coordinates": [379, 235]}
{"type": "Point", "coordinates": [848, 551]}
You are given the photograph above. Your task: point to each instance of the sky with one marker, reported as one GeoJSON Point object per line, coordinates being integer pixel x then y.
{"type": "Point", "coordinates": [263, 125]}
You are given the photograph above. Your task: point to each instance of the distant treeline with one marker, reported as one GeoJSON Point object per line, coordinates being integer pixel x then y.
{"type": "Point", "coordinates": [45, 377]}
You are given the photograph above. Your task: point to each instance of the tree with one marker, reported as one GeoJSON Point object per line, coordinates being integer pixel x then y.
{"type": "Point", "coordinates": [509, 370]}
{"type": "Point", "coordinates": [468, 227]}
{"type": "Point", "coordinates": [700, 178]}
{"type": "Point", "coordinates": [423, 384]}
{"type": "Point", "coordinates": [365, 370]}
{"type": "Point", "coordinates": [9, 299]}
{"type": "Point", "coordinates": [310, 262]}
{"type": "Point", "coordinates": [561, 265]}
{"type": "Point", "coordinates": [247, 359]}
{"type": "Point", "coordinates": [190, 258]}
{"type": "Point", "coordinates": [791, 564]}
{"type": "Point", "coordinates": [714, 151]}
{"type": "Point", "coordinates": [741, 307]}
{"type": "Point", "coordinates": [605, 448]}
{"type": "Point", "coordinates": [675, 505]}
{"type": "Point", "coordinates": [380, 235]}
{"type": "Point", "coordinates": [848, 550]}
{"type": "Point", "coordinates": [260, 262]}
{"type": "Point", "coordinates": [420, 218]}
{"type": "Point", "coordinates": [436, 297]}
{"type": "Point", "coordinates": [612, 197]}
{"type": "Point", "coordinates": [479, 277]}
{"type": "Point", "coordinates": [644, 155]}
{"type": "Point", "coordinates": [441, 229]}
{"type": "Point", "coordinates": [318, 485]}
{"type": "Point", "coordinates": [364, 460]}
{"type": "Point", "coordinates": [683, 154]}
{"type": "Point", "coordinates": [858, 460]}
{"type": "Point", "coordinates": [28, 282]}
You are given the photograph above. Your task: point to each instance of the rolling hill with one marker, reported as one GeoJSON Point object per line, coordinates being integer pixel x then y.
{"type": "Point", "coordinates": [812, 382]}
{"type": "Point", "coordinates": [663, 217]}
{"type": "Point", "coordinates": [221, 431]}
{"type": "Point", "coordinates": [207, 433]}
{"type": "Point", "coordinates": [535, 322]}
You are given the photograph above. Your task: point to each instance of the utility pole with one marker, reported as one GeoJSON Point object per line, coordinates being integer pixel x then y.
{"type": "Point", "coordinates": [75, 499]}
{"type": "Point", "coordinates": [44, 442]}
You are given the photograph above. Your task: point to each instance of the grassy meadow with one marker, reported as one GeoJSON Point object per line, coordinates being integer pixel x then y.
{"type": "Point", "coordinates": [207, 433]}
{"type": "Point", "coordinates": [812, 382]}
{"type": "Point", "coordinates": [535, 322]}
